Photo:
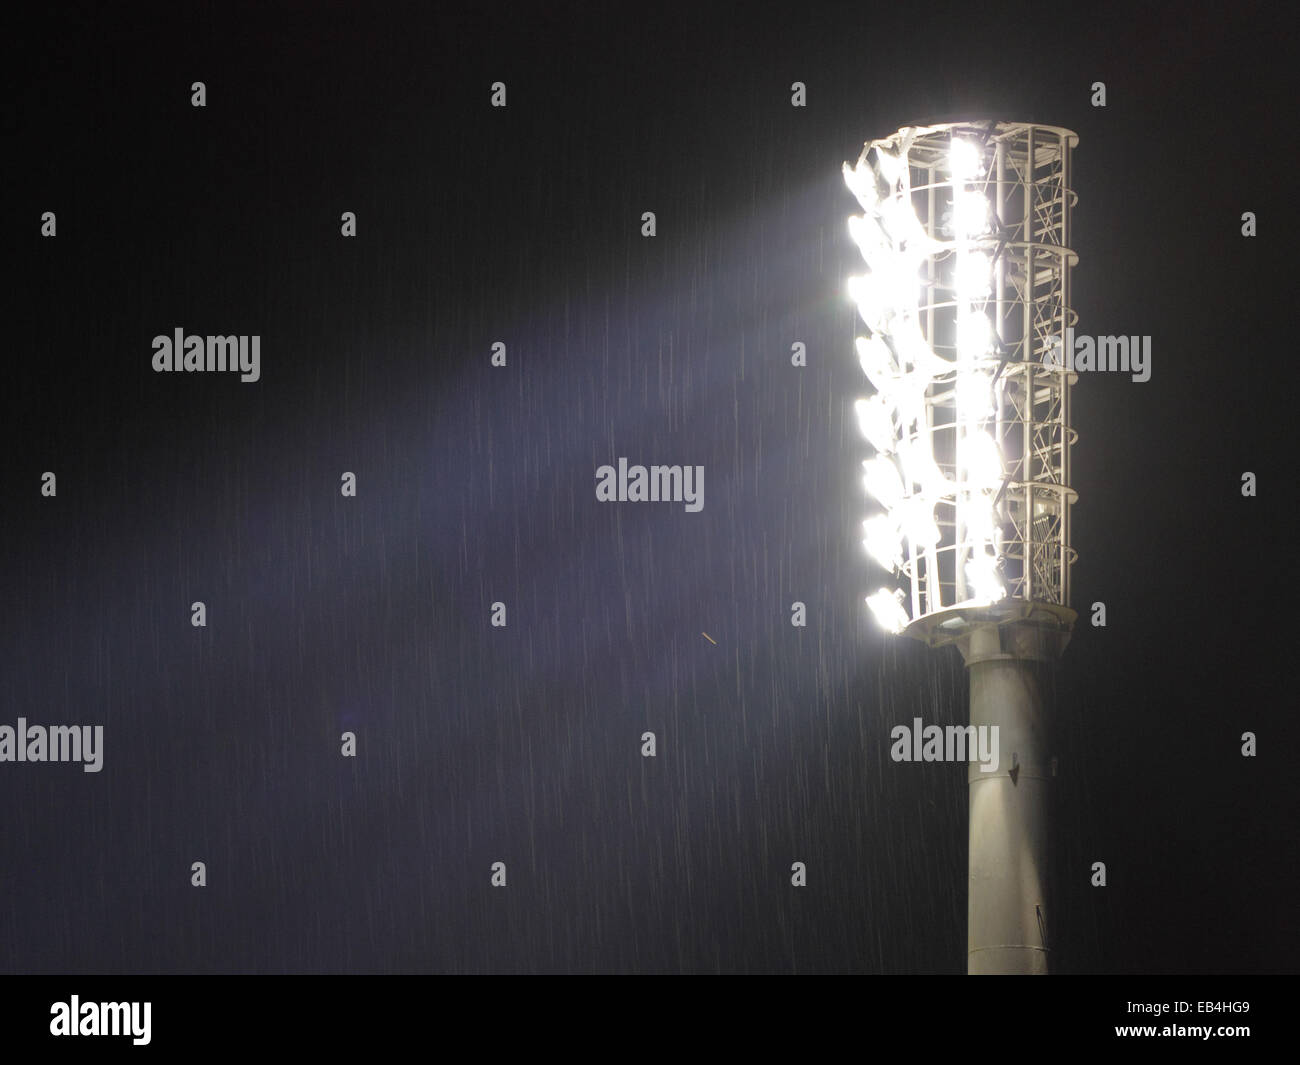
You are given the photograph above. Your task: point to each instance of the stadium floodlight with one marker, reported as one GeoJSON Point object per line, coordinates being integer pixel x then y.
{"type": "Point", "coordinates": [965, 232]}
{"type": "Point", "coordinates": [880, 478]}
{"type": "Point", "coordinates": [875, 419]}
{"type": "Point", "coordinates": [888, 608]}
{"type": "Point", "coordinates": [882, 540]}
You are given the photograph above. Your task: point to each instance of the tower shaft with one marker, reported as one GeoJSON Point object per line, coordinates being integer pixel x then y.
{"type": "Point", "coordinates": [1009, 893]}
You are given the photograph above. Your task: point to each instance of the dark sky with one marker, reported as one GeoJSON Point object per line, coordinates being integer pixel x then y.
{"type": "Point", "coordinates": [475, 485]}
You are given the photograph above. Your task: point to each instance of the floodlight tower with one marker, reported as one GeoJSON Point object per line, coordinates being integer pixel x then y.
{"type": "Point", "coordinates": [966, 234]}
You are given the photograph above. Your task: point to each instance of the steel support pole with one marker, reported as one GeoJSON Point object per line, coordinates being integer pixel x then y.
{"type": "Point", "coordinates": [1009, 900]}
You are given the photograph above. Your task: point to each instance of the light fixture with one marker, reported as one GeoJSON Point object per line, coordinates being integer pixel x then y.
{"type": "Point", "coordinates": [965, 231]}
{"type": "Point", "coordinates": [880, 477]}
{"type": "Point", "coordinates": [888, 609]}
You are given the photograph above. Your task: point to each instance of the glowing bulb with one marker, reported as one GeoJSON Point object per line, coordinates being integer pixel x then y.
{"type": "Point", "coordinates": [982, 576]}
{"type": "Point", "coordinates": [906, 346]}
{"type": "Point", "coordinates": [861, 181]}
{"type": "Point", "coordinates": [889, 166]}
{"type": "Point", "coordinates": [880, 477]}
{"type": "Point", "coordinates": [970, 214]}
{"type": "Point", "coordinates": [920, 467]}
{"type": "Point", "coordinates": [882, 542]}
{"type": "Point", "coordinates": [905, 230]}
{"type": "Point", "coordinates": [871, 241]}
{"type": "Point", "coordinates": [882, 296]}
{"type": "Point", "coordinates": [861, 291]}
{"type": "Point", "coordinates": [982, 461]}
{"type": "Point", "coordinates": [919, 523]}
{"type": "Point", "coordinates": [911, 345]}
{"type": "Point", "coordinates": [873, 305]}
{"type": "Point", "coordinates": [974, 397]}
{"type": "Point", "coordinates": [965, 161]}
{"type": "Point", "coordinates": [888, 609]}
{"type": "Point", "coordinates": [876, 359]}
{"type": "Point", "coordinates": [972, 276]}
{"type": "Point", "coordinates": [876, 422]}
{"type": "Point", "coordinates": [902, 391]}
{"type": "Point", "coordinates": [978, 520]}
{"type": "Point", "coordinates": [974, 335]}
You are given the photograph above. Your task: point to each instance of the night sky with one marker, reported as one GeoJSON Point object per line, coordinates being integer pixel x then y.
{"type": "Point", "coordinates": [475, 484]}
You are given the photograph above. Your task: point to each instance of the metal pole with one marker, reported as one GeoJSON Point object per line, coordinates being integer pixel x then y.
{"type": "Point", "coordinates": [1009, 903]}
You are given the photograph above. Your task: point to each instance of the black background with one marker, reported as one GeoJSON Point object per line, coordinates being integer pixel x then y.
{"type": "Point", "coordinates": [521, 745]}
